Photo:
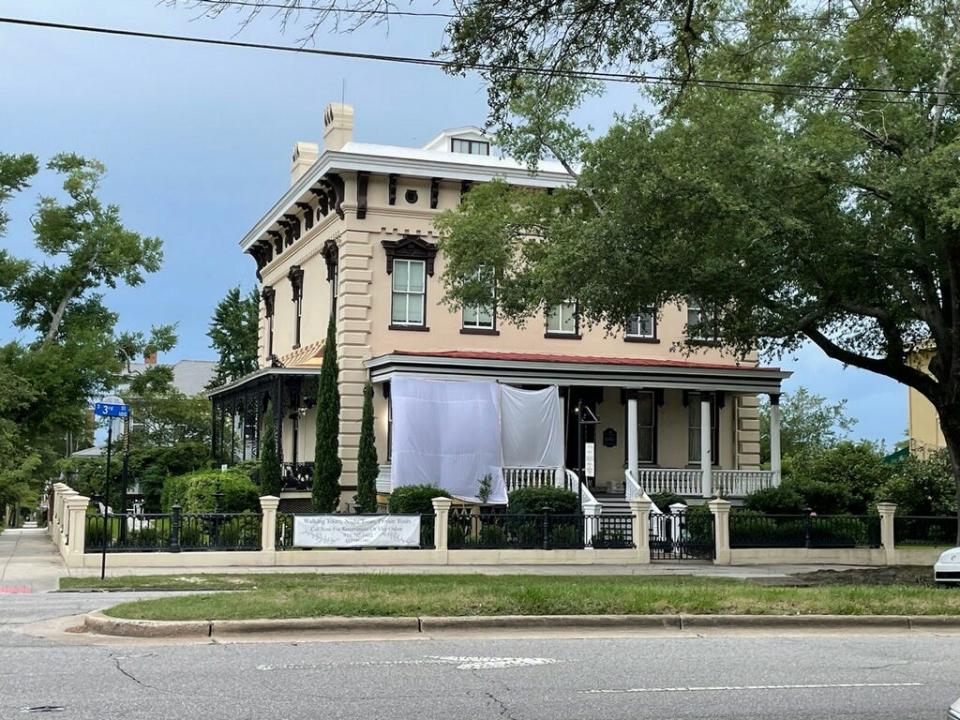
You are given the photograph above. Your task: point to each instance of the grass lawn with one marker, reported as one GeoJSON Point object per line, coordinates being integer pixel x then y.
{"type": "Point", "coordinates": [311, 595]}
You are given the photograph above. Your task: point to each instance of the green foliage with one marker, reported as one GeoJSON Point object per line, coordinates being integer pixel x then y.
{"type": "Point", "coordinates": [855, 469]}
{"type": "Point", "coordinates": [542, 500]}
{"type": "Point", "coordinates": [776, 501]}
{"type": "Point", "coordinates": [808, 423]}
{"type": "Point", "coordinates": [194, 492]}
{"type": "Point", "coordinates": [270, 471]}
{"type": "Point", "coordinates": [484, 488]}
{"type": "Point", "coordinates": [921, 486]}
{"type": "Point", "coordinates": [664, 500]}
{"type": "Point", "coordinates": [368, 466]}
{"type": "Point", "coordinates": [414, 499]}
{"type": "Point", "coordinates": [233, 335]}
{"type": "Point", "coordinates": [327, 465]}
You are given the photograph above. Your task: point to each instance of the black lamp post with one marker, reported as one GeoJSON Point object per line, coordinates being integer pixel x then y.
{"type": "Point", "coordinates": [585, 416]}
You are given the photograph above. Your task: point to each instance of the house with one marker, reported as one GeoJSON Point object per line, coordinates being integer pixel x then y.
{"type": "Point", "coordinates": [923, 421]}
{"type": "Point", "coordinates": [353, 236]}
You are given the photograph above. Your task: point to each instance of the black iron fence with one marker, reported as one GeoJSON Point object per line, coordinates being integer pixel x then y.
{"type": "Point", "coordinates": [686, 534]}
{"type": "Point", "coordinates": [749, 529]}
{"type": "Point", "coordinates": [498, 530]}
{"type": "Point", "coordinates": [928, 530]}
{"type": "Point", "coordinates": [284, 536]}
{"type": "Point", "coordinates": [172, 532]}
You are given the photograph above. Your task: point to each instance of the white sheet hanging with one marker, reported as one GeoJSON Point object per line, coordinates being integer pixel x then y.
{"type": "Point", "coordinates": [531, 426]}
{"type": "Point", "coordinates": [447, 434]}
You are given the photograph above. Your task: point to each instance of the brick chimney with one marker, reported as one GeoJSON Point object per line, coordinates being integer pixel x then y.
{"type": "Point", "coordinates": [337, 126]}
{"type": "Point", "coordinates": [304, 155]}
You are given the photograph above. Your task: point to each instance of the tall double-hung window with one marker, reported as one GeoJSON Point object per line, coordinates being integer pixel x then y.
{"type": "Point", "coordinates": [409, 292]}
{"type": "Point", "coordinates": [478, 318]}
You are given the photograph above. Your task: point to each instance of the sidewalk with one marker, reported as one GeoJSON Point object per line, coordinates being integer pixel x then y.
{"type": "Point", "coordinates": [701, 569]}
{"type": "Point", "coordinates": [28, 562]}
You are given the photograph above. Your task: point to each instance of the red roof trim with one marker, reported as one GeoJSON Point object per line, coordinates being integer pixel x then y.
{"type": "Point", "coordinates": [581, 359]}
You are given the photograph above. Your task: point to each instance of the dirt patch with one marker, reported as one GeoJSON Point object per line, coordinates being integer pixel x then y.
{"type": "Point", "coordinates": [893, 575]}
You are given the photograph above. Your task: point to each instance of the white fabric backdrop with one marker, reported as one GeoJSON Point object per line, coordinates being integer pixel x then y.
{"type": "Point", "coordinates": [446, 434]}
{"type": "Point", "coordinates": [531, 423]}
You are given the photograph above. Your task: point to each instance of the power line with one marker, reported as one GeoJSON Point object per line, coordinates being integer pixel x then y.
{"type": "Point", "coordinates": [255, 4]}
{"type": "Point", "coordinates": [788, 89]}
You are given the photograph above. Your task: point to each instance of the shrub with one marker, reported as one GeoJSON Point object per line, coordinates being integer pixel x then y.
{"type": "Point", "coordinates": [858, 468]}
{"type": "Point", "coordinates": [664, 500]}
{"type": "Point", "coordinates": [543, 500]}
{"type": "Point", "coordinates": [147, 537]}
{"type": "Point", "coordinates": [699, 524]}
{"type": "Point", "coordinates": [921, 486]}
{"type": "Point", "coordinates": [240, 532]}
{"type": "Point", "coordinates": [414, 499]}
{"type": "Point", "coordinates": [368, 466]}
{"type": "Point", "coordinates": [194, 492]}
{"type": "Point", "coordinates": [270, 471]}
{"type": "Point", "coordinates": [612, 539]}
{"type": "Point", "coordinates": [566, 535]}
{"type": "Point", "coordinates": [782, 500]}
{"type": "Point", "coordinates": [822, 496]}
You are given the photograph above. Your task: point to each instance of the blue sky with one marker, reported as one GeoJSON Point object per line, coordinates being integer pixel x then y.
{"type": "Point", "coordinates": [197, 142]}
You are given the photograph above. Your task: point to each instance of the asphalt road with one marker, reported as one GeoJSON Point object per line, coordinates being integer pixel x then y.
{"type": "Point", "coordinates": [896, 676]}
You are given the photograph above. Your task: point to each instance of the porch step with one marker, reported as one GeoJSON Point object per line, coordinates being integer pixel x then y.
{"type": "Point", "coordinates": [613, 504]}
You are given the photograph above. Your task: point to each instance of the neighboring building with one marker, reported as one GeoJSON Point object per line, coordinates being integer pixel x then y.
{"type": "Point", "coordinates": [923, 421]}
{"type": "Point", "coordinates": [354, 236]}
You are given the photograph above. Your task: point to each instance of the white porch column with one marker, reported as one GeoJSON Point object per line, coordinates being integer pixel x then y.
{"type": "Point", "coordinates": [633, 443]}
{"type": "Point", "coordinates": [706, 452]}
{"type": "Point", "coordinates": [775, 437]}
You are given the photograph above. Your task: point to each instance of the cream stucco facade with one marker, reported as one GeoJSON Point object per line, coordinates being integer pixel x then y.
{"type": "Point", "coordinates": [329, 246]}
{"type": "Point", "coordinates": [923, 422]}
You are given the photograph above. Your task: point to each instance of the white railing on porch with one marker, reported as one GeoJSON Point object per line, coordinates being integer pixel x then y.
{"type": "Point", "coordinates": [689, 482]}
{"type": "Point", "coordinates": [517, 478]}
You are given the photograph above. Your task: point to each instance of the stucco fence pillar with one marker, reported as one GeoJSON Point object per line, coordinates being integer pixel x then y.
{"type": "Point", "coordinates": [641, 529]}
{"type": "Point", "coordinates": [268, 526]}
{"type": "Point", "coordinates": [441, 519]}
{"type": "Point", "coordinates": [65, 528]}
{"type": "Point", "coordinates": [721, 530]}
{"type": "Point", "coordinates": [53, 527]}
{"type": "Point", "coordinates": [76, 510]}
{"type": "Point", "coordinates": [888, 512]}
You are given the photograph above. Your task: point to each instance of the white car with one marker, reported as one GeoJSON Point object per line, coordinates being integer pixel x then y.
{"type": "Point", "coordinates": [947, 567]}
{"type": "Point", "coordinates": [954, 709]}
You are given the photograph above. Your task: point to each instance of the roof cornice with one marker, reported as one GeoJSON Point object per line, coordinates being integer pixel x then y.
{"type": "Point", "coordinates": [340, 161]}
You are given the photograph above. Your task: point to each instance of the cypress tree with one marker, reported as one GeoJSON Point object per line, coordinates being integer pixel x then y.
{"type": "Point", "coordinates": [367, 465]}
{"type": "Point", "coordinates": [327, 465]}
{"type": "Point", "coordinates": [270, 471]}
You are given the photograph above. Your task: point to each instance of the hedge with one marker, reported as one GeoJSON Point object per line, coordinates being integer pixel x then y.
{"type": "Point", "coordinates": [414, 499]}
{"type": "Point", "coordinates": [194, 492]}
{"type": "Point", "coordinates": [543, 500]}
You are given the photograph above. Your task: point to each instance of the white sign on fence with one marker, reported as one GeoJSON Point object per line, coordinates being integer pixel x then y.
{"type": "Point", "coordinates": [351, 531]}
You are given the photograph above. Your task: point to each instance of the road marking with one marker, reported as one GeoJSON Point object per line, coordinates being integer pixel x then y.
{"type": "Point", "coordinates": [459, 662]}
{"type": "Point", "coordinates": [14, 589]}
{"type": "Point", "coordinates": [728, 688]}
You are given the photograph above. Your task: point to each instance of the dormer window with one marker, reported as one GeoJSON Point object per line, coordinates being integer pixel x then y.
{"type": "Point", "coordinates": [469, 147]}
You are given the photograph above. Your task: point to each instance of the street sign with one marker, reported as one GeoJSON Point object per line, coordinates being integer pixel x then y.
{"type": "Point", "coordinates": [110, 410]}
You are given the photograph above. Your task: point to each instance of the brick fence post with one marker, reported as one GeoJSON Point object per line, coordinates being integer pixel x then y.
{"type": "Point", "coordinates": [888, 512]}
{"type": "Point", "coordinates": [268, 525]}
{"type": "Point", "coordinates": [721, 530]}
{"type": "Point", "coordinates": [641, 528]}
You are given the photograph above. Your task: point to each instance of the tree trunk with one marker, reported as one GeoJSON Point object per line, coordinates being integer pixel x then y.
{"type": "Point", "coordinates": [950, 425]}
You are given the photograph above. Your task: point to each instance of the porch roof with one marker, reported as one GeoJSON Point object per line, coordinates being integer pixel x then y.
{"type": "Point", "coordinates": [536, 368]}
{"type": "Point", "coordinates": [261, 377]}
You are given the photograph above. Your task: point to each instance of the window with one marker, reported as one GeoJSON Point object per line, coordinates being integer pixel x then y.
{"type": "Point", "coordinates": [269, 295]}
{"type": "Point", "coordinates": [296, 284]}
{"type": "Point", "coordinates": [409, 291]}
{"type": "Point", "coordinates": [331, 254]}
{"type": "Point", "coordinates": [470, 147]}
{"type": "Point", "coordinates": [562, 320]}
{"type": "Point", "coordinates": [646, 427]}
{"type": "Point", "coordinates": [334, 289]}
{"type": "Point", "coordinates": [700, 325]}
{"type": "Point", "coordinates": [693, 441]}
{"type": "Point", "coordinates": [478, 317]}
{"type": "Point", "coordinates": [643, 325]}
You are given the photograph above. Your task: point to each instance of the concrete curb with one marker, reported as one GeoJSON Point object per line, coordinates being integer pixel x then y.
{"type": "Point", "coordinates": [101, 624]}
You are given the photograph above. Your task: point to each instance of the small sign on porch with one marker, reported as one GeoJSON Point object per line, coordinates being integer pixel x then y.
{"type": "Point", "coordinates": [589, 459]}
{"type": "Point", "coordinates": [355, 531]}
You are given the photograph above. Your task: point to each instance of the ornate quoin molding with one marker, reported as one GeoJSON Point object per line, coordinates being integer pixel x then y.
{"type": "Point", "coordinates": [410, 247]}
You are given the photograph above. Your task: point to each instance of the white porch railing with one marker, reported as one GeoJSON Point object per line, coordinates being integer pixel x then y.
{"type": "Point", "coordinates": [688, 482]}
{"type": "Point", "coordinates": [517, 478]}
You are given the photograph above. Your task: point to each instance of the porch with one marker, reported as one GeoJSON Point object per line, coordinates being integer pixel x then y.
{"type": "Point", "coordinates": [691, 429]}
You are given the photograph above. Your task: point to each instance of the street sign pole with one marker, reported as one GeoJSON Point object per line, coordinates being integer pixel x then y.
{"type": "Point", "coordinates": [106, 505]}
{"type": "Point", "coordinates": [111, 407]}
